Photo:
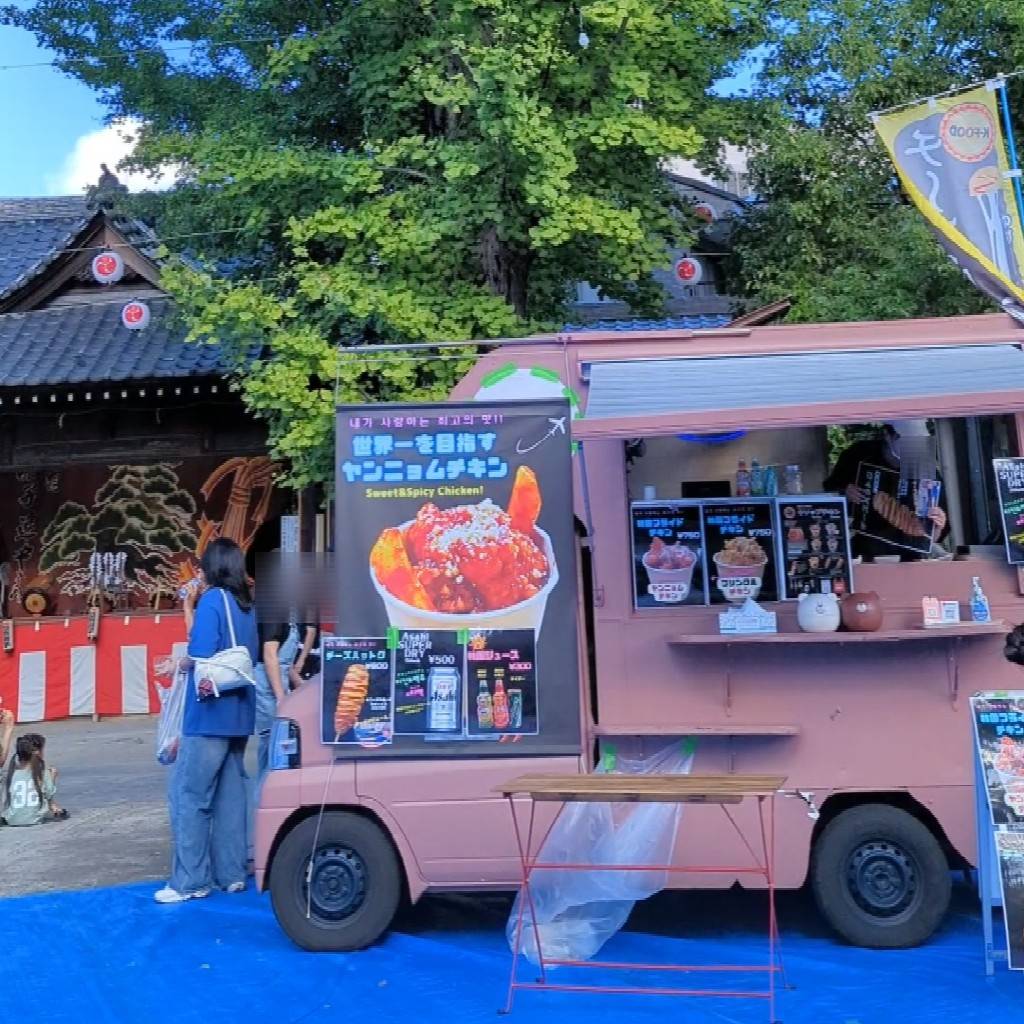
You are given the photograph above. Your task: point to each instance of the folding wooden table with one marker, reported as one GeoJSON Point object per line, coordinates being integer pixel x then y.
{"type": "Point", "coordinates": [724, 791]}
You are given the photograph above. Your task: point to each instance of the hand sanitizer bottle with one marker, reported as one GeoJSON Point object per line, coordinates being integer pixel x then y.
{"type": "Point", "coordinates": [979, 602]}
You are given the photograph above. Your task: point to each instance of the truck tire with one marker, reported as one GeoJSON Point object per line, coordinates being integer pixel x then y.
{"type": "Point", "coordinates": [880, 877]}
{"type": "Point", "coordinates": [354, 886]}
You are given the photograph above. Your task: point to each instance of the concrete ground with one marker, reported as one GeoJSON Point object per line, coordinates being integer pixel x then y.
{"type": "Point", "coordinates": [113, 787]}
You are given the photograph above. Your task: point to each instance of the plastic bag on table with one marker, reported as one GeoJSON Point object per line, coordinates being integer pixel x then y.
{"type": "Point", "coordinates": [172, 711]}
{"type": "Point", "coordinates": [579, 911]}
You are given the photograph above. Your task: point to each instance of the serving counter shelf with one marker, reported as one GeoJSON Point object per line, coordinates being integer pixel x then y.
{"type": "Point", "coordinates": [953, 636]}
{"type": "Point", "coordinates": [672, 729]}
{"type": "Point", "coordinates": [961, 630]}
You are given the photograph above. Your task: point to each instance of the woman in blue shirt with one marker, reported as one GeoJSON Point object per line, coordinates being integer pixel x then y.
{"type": "Point", "coordinates": [209, 787]}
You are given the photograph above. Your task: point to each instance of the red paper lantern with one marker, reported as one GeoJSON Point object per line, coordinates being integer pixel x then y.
{"type": "Point", "coordinates": [108, 267]}
{"type": "Point", "coordinates": [706, 212]}
{"type": "Point", "coordinates": [135, 315]}
{"type": "Point", "coordinates": [689, 270]}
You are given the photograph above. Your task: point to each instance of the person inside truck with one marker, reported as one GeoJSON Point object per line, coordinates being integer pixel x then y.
{"type": "Point", "coordinates": [884, 450]}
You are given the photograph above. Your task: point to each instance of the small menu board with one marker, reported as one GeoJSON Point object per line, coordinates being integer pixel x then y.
{"type": "Point", "coordinates": [356, 691]}
{"type": "Point", "coordinates": [501, 683]}
{"type": "Point", "coordinates": [429, 666]}
{"type": "Point", "coordinates": [895, 510]}
{"type": "Point", "coordinates": [739, 538]}
{"type": "Point", "coordinates": [668, 554]}
{"type": "Point", "coordinates": [999, 735]}
{"type": "Point", "coordinates": [1010, 484]}
{"type": "Point", "coordinates": [814, 541]}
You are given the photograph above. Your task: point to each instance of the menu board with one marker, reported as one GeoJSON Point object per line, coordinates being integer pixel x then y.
{"type": "Point", "coordinates": [668, 554]}
{"type": "Point", "coordinates": [1010, 484]}
{"type": "Point", "coordinates": [739, 538]}
{"type": "Point", "coordinates": [357, 705]}
{"type": "Point", "coordinates": [429, 673]}
{"type": "Point", "coordinates": [501, 683]}
{"type": "Point", "coordinates": [895, 510]}
{"type": "Point", "coordinates": [456, 518]}
{"type": "Point", "coordinates": [999, 734]}
{"type": "Point", "coordinates": [814, 541]}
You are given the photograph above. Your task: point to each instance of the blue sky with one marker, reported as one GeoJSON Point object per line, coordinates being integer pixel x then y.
{"type": "Point", "coordinates": [45, 114]}
{"type": "Point", "coordinates": [52, 136]}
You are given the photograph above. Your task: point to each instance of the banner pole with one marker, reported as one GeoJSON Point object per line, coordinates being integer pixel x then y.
{"type": "Point", "coordinates": [1011, 144]}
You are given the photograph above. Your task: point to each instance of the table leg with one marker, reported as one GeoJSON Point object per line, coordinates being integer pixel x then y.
{"type": "Point", "coordinates": [518, 941]}
{"type": "Point", "coordinates": [528, 891]}
{"type": "Point", "coordinates": [767, 822]}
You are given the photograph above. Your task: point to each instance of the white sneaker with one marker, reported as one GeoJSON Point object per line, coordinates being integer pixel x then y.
{"type": "Point", "coordinates": [169, 895]}
{"type": "Point", "coordinates": [236, 887]}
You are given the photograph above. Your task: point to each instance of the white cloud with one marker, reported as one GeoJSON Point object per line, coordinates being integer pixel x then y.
{"type": "Point", "coordinates": [110, 145]}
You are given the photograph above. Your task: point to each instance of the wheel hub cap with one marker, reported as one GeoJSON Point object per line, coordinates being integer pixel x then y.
{"type": "Point", "coordinates": [337, 883]}
{"type": "Point", "coordinates": [883, 879]}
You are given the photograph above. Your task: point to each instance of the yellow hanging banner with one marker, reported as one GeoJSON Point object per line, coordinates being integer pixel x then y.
{"type": "Point", "coordinates": [951, 159]}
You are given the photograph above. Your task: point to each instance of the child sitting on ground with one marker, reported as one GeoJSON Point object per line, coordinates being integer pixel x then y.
{"type": "Point", "coordinates": [30, 787]}
{"type": "Point", "coordinates": [38, 742]}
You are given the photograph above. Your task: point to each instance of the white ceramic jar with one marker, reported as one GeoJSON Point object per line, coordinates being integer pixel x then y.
{"type": "Point", "coordinates": [818, 613]}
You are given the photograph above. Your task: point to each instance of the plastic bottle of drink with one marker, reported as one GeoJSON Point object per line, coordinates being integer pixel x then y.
{"type": "Point", "coordinates": [756, 479]}
{"type": "Point", "coordinates": [742, 480]}
{"type": "Point", "coordinates": [980, 611]}
{"type": "Point", "coordinates": [771, 482]}
{"type": "Point", "coordinates": [500, 706]}
{"type": "Point", "coordinates": [484, 707]}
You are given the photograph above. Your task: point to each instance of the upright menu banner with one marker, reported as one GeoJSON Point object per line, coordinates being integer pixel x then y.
{"type": "Point", "coordinates": [740, 543]}
{"type": "Point", "coordinates": [999, 734]}
{"type": "Point", "coordinates": [668, 554]}
{"type": "Point", "coordinates": [456, 556]}
{"type": "Point", "coordinates": [814, 540]}
{"type": "Point", "coordinates": [895, 510]}
{"type": "Point", "coordinates": [1010, 482]}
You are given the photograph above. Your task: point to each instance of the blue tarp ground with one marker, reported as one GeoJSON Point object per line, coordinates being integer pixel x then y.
{"type": "Point", "coordinates": [113, 957]}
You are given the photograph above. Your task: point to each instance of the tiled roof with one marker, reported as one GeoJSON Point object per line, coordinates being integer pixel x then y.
{"type": "Point", "coordinates": [87, 344]}
{"type": "Point", "coordinates": [29, 245]}
{"type": "Point", "coordinates": [675, 323]}
{"type": "Point", "coordinates": [41, 208]}
{"type": "Point", "coordinates": [34, 233]}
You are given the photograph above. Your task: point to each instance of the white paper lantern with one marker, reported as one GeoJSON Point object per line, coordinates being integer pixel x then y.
{"type": "Point", "coordinates": [108, 267]}
{"type": "Point", "coordinates": [135, 315]}
{"type": "Point", "coordinates": [689, 270]}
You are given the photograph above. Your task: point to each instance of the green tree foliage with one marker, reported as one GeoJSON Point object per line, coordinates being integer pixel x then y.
{"type": "Point", "coordinates": [833, 230]}
{"type": "Point", "coordinates": [404, 170]}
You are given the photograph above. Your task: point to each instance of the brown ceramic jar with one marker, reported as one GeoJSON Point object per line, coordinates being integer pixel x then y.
{"type": "Point", "coordinates": [862, 612]}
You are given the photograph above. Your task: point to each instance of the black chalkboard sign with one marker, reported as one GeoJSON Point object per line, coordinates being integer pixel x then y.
{"type": "Point", "coordinates": [895, 510]}
{"type": "Point", "coordinates": [740, 541]}
{"type": "Point", "coordinates": [999, 739]}
{"type": "Point", "coordinates": [1010, 483]}
{"type": "Point", "coordinates": [356, 691]}
{"type": "Point", "coordinates": [668, 554]}
{"type": "Point", "coordinates": [429, 672]}
{"type": "Point", "coordinates": [814, 541]}
{"type": "Point", "coordinates": [501, 681]}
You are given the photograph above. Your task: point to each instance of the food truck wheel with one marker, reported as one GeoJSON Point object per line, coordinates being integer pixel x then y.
{"type": "Point", "coordinates": [350, 883]}
{"type": "Point", "coordinates": [880, 877]}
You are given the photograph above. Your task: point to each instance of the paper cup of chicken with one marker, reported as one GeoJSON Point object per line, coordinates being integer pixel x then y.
{"type": "Point", "coordinates": [669, 569]}
{"type": "Point", "coordinates": [468, 567]}
{"type": "Point", "coordinates": [740, 566]}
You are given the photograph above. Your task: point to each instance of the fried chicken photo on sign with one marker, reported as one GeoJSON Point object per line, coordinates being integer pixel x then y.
{"type": "Point", "coordinates": [471, 558]}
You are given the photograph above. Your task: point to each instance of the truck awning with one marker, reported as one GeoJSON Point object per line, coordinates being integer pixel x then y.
{"type": "Point", "coordinates": [647, 397]}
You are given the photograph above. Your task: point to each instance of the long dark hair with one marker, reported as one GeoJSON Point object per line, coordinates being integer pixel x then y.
{"type": "Point", "coordinates": [27, 754]}
{"type": "Point", "coordinates": [224, 566]}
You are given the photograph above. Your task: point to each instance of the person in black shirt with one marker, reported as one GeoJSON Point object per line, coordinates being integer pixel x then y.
{"type": "Point", "coordinates": [882, 450]}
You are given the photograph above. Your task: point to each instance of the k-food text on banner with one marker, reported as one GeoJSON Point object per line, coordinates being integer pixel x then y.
{"type": "Point", "coordinates": [950, 156]}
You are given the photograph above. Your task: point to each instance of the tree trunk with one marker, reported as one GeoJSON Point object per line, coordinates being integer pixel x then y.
{"type": "Point", "coordinates": [506, 269]}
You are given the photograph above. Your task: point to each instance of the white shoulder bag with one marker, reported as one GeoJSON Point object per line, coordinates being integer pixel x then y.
{"type": "Point", "coordinates": [226, 671]}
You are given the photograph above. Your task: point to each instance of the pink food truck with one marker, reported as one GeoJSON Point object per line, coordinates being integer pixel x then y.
{"type": "Point", "coordinates": [556, 565]}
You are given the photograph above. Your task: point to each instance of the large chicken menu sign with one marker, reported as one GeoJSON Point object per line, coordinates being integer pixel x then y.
{"type": "Point", "coordinates": [456, 555]}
